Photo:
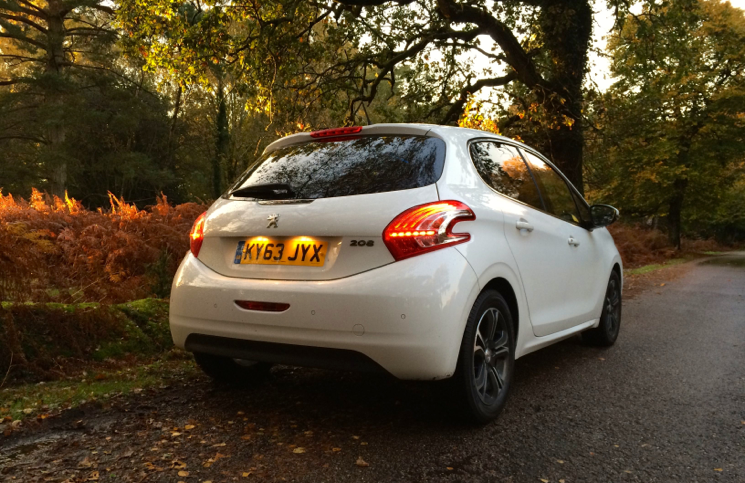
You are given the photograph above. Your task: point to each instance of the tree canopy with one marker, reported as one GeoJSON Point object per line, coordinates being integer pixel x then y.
{"type": "Point", "coordinates": [139, 97]}
{"type": "Point", "coordinates": [674, 129]}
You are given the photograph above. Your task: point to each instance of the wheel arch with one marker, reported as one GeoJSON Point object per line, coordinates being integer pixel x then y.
{"type": "Point", "coordinates": [617, 268]}
{"type": "Point", "coordinates": [504, 287]}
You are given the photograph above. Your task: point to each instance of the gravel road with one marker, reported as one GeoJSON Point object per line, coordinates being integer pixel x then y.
{"type": "Point", "coordinates": [666, 403]}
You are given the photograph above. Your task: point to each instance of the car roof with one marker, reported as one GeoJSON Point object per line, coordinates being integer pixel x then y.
{"type": "Point", "coordinates": [420, 129]}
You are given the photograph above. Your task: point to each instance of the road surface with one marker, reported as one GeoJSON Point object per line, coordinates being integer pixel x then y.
{"type": "Point", "coordinates": [666, 403]}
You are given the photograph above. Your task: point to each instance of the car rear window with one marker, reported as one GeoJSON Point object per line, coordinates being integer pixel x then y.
{"type": "Point", "coordinates": [356, 166]}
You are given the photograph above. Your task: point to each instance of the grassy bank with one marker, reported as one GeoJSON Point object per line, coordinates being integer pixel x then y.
{"type": "Point", "coordinates": [43, 399]}
{"type": "Point", "coordinates": [49, 341]}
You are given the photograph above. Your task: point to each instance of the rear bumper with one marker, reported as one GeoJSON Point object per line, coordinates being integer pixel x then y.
{"type": "Point", "coordinates": [408, 317]}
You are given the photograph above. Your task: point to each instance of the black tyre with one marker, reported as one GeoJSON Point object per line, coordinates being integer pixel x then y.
{"type": "Point", "coordinates": [225, 369]}
{"type": "Point", "coordinates": [606, 332]}
{"type": "Point", "coordinates": [487, 358]}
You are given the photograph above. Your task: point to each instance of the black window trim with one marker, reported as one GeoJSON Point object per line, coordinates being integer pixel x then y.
{"type": "Point", "coordinates": [520, 148]}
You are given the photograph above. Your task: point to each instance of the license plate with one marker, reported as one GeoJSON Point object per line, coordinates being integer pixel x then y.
{"type": "Point", "coordinates": [298, 251]}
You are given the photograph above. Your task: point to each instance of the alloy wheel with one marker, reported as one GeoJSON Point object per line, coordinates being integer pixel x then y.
{"type": "Point", "coordinates": [613, 307]}
{"type": "Point", "coordinates": [491, 351]}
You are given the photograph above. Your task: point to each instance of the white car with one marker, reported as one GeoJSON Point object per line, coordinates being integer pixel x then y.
{"type": "Point", "coordinates": [424, 251]}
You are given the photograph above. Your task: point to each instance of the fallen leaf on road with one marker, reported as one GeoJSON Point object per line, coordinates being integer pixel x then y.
{"type": "Point", "coordinates": [86, 463]}
{"type": "Point", "coordinates": [298, 450]}
{"type": "Point", "coordinates": [718, 469]}
{"type": "Point", "coordinates": [189, 427]}
{"type": "Point", "coordinates": [561, 462]}
{"type": "Point", "coordinates": [362, 463]}
{"type": "Point", "coordinates": [601, 358]}
{"type": "Point", "coordinates": [355, 437]}
{"type": "Point", "coordinates": [246, 474]}
{"type": "Point", "coordinates": [662, 285]}
{"type": "Point", "coordinates": [449, 468]}
{"type": "Point", "coordinates": [183, 473]}
{"type": "Point", "coordinates": [152, 467]}
{"type": "Point", "coordinates": [544, 480]}
{"type": "Point", "coordinates": [246, 437]}
{"type": "Point", "coordinates": [335, 450]}
{"type": "Point", "coordinates": [178, 465]}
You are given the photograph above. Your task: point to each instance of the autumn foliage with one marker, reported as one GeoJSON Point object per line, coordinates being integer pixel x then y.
{"type": "Point", "coordinates": [57, 250]}
{"type": "Point", "coordinates": [640, 245]}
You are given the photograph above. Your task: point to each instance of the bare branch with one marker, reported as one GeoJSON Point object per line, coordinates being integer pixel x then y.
{"type": "Point", "coordinates": [515, 55]}
{"type": "Point", "coordinates": [22, 38]}
{"type": "Point", "coordinates": [457, 108]}
{"type": "Point", "coordinates": [25, 20]}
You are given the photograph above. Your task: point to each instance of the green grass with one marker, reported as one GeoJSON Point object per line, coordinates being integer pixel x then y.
{"type": "Point", "coordinates": [38, 400]}
{"type": "Point", "coordinates": [655, 266]}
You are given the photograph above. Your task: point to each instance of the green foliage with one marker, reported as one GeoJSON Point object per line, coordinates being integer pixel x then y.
{"type": "Point", "coordinates": [674, 122]}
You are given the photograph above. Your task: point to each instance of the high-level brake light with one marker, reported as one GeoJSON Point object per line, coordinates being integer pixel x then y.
{"type": "Point", "coordinates": [337, 131]}
{"type": "Point", "coordinates": [426, 228]}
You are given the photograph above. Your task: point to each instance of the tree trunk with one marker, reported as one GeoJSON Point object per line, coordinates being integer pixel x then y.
{"type": "Point", "coordinates": [567, 30]}
{"type": "Point", "coordinates": [676, 207]}
{"type": "Point", "coordinates": [564, 147]}
{"type": "Point", "coordinates": [172, 130]}
{"type": "Point", "coordinates": [223, 142]}
{"type": "Point", "coordinates": [56, 134]}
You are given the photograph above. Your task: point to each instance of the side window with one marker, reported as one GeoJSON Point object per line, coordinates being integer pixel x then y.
{"type": "Point", "coordinates": [556, 194]}
{"type": "Point", "coordinates": [502, 168]}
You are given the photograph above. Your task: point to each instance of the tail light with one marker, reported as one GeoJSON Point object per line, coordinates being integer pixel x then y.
{"type": "Point", "coordinates": [426, 228]}
{"type": "Point", "coordinates": [196, 236]}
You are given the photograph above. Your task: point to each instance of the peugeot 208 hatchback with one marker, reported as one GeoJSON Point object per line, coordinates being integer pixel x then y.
{"type": "Point", "coordinates": [425, 251]}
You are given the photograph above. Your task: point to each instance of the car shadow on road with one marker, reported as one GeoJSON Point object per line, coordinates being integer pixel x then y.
{"type": "Point", "coordinates": [351, 402]}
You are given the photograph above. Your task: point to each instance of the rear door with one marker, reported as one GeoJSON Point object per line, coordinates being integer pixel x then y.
{"type": "Point", "coordinates": [537, 239]}
{"type": "Point", "coordinates": [317, 210]}
{"type": "Point", "coordinates": [581, 250]}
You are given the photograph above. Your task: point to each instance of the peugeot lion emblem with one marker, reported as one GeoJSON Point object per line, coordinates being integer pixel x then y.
{"type": "Point", "coordinates": [273, 220]}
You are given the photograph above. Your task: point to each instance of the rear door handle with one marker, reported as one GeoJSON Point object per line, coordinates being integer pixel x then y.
{"type": "Point", "coordinates": [573, 242]}
{"type": "Point", "coordinates": [523, 225]}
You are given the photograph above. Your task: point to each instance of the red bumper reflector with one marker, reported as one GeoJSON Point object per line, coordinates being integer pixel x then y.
{"type": "Point", "coordinates": [339, 131]}
{"type": "Point", "coordinates": [262, 306]}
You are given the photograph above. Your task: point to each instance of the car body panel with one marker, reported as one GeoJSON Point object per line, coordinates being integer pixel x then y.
{"type": "Point", "coordinates": [337, 220]}
{"type": "Point", "coordinates": [416, 336]}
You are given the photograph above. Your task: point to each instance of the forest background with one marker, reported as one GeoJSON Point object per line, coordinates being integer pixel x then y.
{"type": "Point", "coordinates": [139, 98]}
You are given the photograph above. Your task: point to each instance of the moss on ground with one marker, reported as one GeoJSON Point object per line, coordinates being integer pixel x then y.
{"type": "Point", "coordinates": [38, 341]}
{"type": "Point", "coordinates": [43, 399]}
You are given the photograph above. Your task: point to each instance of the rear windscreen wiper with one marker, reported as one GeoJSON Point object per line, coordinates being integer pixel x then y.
{"type": "Point", "coordinates": [270, 191]}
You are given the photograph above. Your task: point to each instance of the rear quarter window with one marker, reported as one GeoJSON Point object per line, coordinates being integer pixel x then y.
{"type": "Point", "coordinates": [348, 166]}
